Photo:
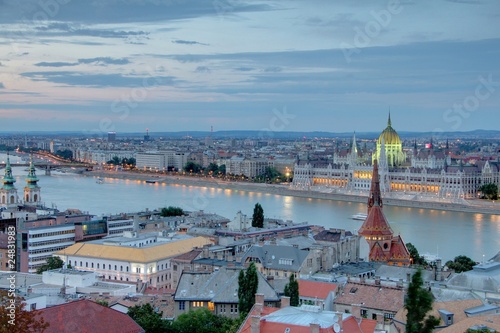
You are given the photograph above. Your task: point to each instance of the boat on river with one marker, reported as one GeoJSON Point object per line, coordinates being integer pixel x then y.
{"type": "Point", "coordinates": [359, 216]}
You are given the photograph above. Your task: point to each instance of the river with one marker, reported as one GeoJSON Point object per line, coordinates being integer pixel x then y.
{"type": "Point", "coordinates": [445, 233]}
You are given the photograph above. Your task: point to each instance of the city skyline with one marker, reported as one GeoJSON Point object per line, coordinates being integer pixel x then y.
{"type": "Point", "coordinates": [270, 65]}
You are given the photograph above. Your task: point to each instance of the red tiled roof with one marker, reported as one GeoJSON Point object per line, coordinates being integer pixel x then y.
{"type": "Point", "coordinates": [351, 325]}
{"type": "Point", "coordinates": [245, 327]}
{"type": "Point", "coordinates": [87, 317]}
{"type": "Point", "coordinates": [372, 297]}
{"type": "Point", "coordinates": [399, 250]}
{"type": "Point", "coordinates": [375, 224]}
{"type": "Point", "coordinates": [188, 257]}
{"type": "Point", "coordinates": [315, 289]}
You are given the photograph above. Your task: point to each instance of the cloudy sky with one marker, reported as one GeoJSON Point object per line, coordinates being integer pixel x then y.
{"type": "Point", "coordinates": [187, 65]}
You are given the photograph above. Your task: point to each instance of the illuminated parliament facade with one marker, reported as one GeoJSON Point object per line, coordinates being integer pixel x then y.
{"type": "Point", "coordinates": [428, 171]}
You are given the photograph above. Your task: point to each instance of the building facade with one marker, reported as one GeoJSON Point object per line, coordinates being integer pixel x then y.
{"type": "Point", "coordinates": [428, 172]}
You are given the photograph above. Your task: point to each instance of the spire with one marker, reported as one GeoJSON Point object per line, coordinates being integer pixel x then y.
{"type": "Point", "coordinates": [8, 179]}
{"type": "Point", "coordinates": [31, 179]}
{"type": "Point", "coordinates": [375, 198]}
{"type": "Point", "coordinates": [389, 124]}
{"type": "Point", "coordinates": [447, 144]}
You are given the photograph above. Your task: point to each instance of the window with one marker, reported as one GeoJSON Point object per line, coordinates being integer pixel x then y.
{"type": "Point", "coordinates": [121, 268]}
{"type": "Point", "coordinates": [197, 304]}
{"type": "Point", "coordinates": [182, 305]}
{"type": "Point", "coordinates": [374, 316]}
{"type": "Point", "coordinates": [388, 316]}
{"type": "Point", "coordinates": [234, 308]}
{"type": "Point", "coordinates": [363, 313]}
{"type": "Point", "coordinates": [137, 269]}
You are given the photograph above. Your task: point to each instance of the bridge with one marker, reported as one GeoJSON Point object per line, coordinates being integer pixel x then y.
{"type": "Point", "coordinates": [48, 167]}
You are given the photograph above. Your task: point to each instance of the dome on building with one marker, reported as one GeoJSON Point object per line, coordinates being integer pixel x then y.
{"type": "Point", "coordinates": [389, 135]}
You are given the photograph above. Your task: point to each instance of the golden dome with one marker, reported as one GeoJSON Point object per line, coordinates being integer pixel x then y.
{"type": "Point", "coordinates": [389, 135]}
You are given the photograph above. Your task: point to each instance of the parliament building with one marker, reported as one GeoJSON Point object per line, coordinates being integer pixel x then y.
{"type": "Point", "coordinates": [429, 171]}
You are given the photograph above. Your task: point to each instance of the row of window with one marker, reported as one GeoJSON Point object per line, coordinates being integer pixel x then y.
{"type": "Point", "coordinates": [52, 241]}
{"type": "Point", "coordinates": [54, 233]}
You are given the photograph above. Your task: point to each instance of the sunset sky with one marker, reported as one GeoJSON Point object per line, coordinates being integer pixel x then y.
{"type": "Point", "coordinates": [187, 65]}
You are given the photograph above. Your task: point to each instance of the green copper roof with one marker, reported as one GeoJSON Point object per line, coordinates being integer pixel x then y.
{"type": "Point", "coordinates": [31, 179]}
{"type": "Point", "coordinates": [8, 179]}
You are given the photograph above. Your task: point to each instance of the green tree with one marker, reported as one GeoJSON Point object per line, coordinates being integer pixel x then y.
{"type": "Point", "coordinates": [171, 211]}
{"type": "Point", "coordinates": [248, 283]}
{"type": "Point", "coordinates": [222, 169]}
{"type": "Point", "coordinates": [418, 303]}
{"type": "Point", "coordinates": [416, 258]}
{"type": "Point", "coordinates": [102, 302]}
{"type": "Point", "coordinates": [14, 318]}
{"type": "Point", "coordinates": [201, 321]}
{"type": "Point", "coordinates": [292, 290]}
{"type": "Point", "coordinates": [192, 167]}
{"type": "Point", "coordinates": [115, 161]}
{"type": "Point", "coordinates": [148, 319]}
{"type": "Point", "coordinates": [489, 191]}
{"type": "Point", "coordinates": [212, 168]}
{"type": "Point", "coordinates": [461, 264]}
{"type": "Point", "coordinates": [52, 263]}
{"type": "Point", "coordinates": [66, 154]}
{"type": "Point", "coordinates": [258, 216]}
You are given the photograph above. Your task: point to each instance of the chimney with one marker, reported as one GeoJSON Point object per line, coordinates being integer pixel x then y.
{"type": "Point", "coordinates": [439, 270]}
{"type": "Point", "coordinates": [408, 277]}
{"type": "Point", "coordinates": [314, 328]}
{"type": "Point", "coordinates": [377, 280]}
{"type": "Point", "coordinates": [356, 310]}
{"type": "Point", "coordinates": [285, 301]}
{"type": "Point", "coordinates": [259, 299]}
{"type": "Point", "coordinates": [400, 283]}
{"type": "Point", "coordinates": [255, 324]}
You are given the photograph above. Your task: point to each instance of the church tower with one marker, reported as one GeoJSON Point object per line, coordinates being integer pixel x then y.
{"type": "Point", "coordinates": [8, 192]}
{"type": "Point", "coordinates": [383, 246]}
{"type": "Point", "coordinates": [32, 190]}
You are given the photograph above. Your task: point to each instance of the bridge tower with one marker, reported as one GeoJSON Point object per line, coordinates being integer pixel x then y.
{"type": "Point", "coordinates": [32, 190]}
{"type": "Point", "coordinates": [8, 192]}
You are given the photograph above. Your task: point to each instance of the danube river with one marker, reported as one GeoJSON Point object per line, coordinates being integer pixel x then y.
{"type": "Point", "coordinates": [444, 233]}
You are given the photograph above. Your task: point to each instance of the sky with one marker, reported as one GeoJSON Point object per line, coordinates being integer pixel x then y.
{"type": "Point", "coordinates": [191, 65]}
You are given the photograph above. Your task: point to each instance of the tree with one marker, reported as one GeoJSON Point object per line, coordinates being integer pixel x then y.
{"type": "Point", "coordinates": [171, 211]}
{"type": "Point", "coordinates": [192, 167]}
{"type": "Point", "coordinates": [52, 263]}
{"type": "Point", "coordinates": [292, 290]}
{"type": "Point", "coordinates": [461, 264]}
{"type": "Point", "coordinates": [115, 161]}
{"type": "Point", "coordinates": [102, 302]}
{"type": "Point", "coordinates": [201, 321]}
{"type": "Point", "coordinates": [148, 319]}
{"type": "Point", "coordinates": [258, 216]}
{"type": "Point", "coordinates": [15, 319]}
{"type": "Point", "coordinates": [66, 154]}
{"type": "Point", "coordinates": [417, 303]}
{"type": "Point", "coordinates": [248, 283]}
{"type": "Point", "coordinates": [489, 191]}
{"type": "Point", "coordinates": [416, 259]}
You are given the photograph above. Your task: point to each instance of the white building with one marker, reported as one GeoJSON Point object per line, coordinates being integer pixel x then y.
{"type": "Point", "coordinates": [142, 259]}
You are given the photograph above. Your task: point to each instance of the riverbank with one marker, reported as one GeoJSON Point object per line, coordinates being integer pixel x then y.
{"type": "Point", "coordinates": [474, 206]}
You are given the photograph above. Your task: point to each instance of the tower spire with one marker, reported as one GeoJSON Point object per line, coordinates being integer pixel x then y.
{"type": "Point", "coordinates": [375, 197]}
{"type": "Point", "coordinates": [389, 124]}
{"type": "Point", "coordinates": [8, 179]}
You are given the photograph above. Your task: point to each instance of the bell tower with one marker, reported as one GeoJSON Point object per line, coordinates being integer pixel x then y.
{"type": "Point", "coordinates": [8, 192]}
{"type": "Point", "coordinates": [32, 190]}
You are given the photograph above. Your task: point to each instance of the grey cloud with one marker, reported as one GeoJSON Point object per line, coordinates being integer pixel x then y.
{"type": "Point", "coordinates": [244, 69]}
{"type": "Point", "coordinates": [202, 69]}
{"type": "Point", "coordinates": [105, 60]}
{"type": "Point", "coordinates": [78, 30]}
{"type": "Point", "coordinates": [99, 61]}
{"type": "Point", "coordinates": [55, 64]}
{"type": "Point", "coordinates": [187, 42]}
{"type": "Point", "coordinates": [100, 80]}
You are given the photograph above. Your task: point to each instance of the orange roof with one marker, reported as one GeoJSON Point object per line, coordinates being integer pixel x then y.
{"type": "Point", "coordinates": [245, 327]}
{"type": "Point", "coordinates": [351, 325]}
{"type": "Point", "coordinates": [315, 289]}
{"type": "Point", "coordinates": [399, 250]}
{"type": "Point", "coordinates": [87, 317]}
{"type": "Point", "coordinates": [375, 224]}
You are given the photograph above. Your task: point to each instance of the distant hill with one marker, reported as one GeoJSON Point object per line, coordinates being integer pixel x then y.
{"type": "Point", "coordinates": [264, 135]}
